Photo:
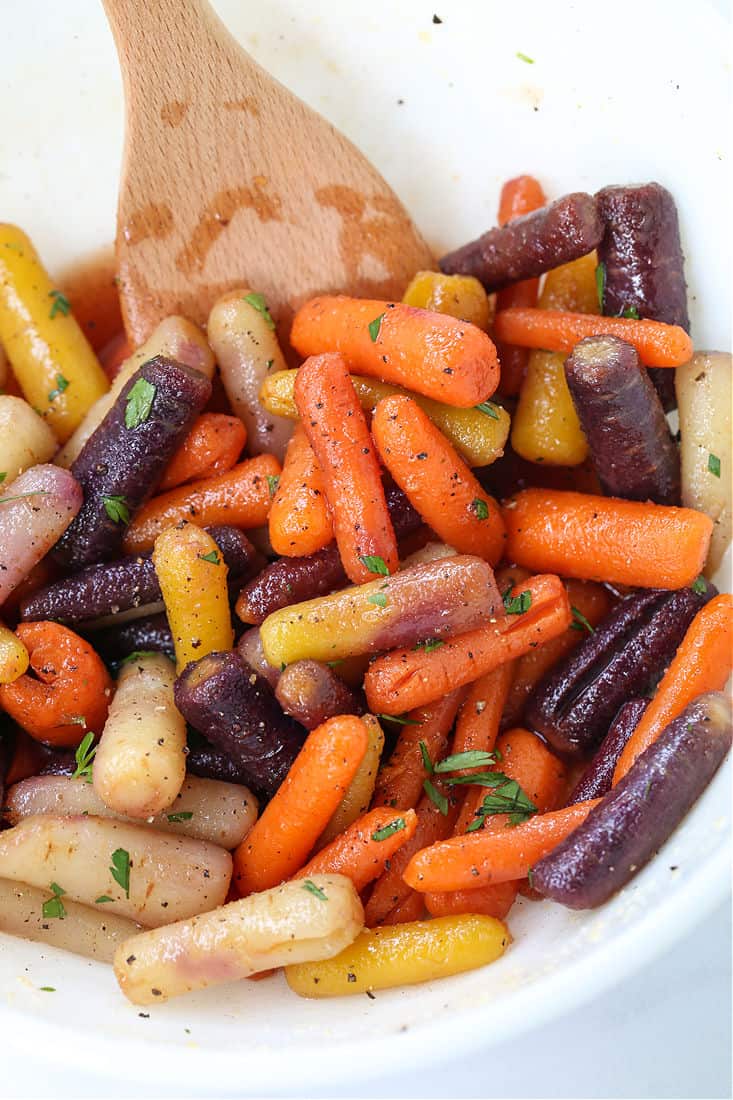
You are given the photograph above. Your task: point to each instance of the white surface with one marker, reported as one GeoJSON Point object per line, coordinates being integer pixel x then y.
{"type": "Point", "coordinates": [635, 93]}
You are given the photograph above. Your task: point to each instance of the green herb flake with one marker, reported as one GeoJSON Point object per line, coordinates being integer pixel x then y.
{"type": "Point", "coordinates": [116, 508]}
{"type": "Point", "coordinates": [387, 831]}
{"type": "Point", "coordinates": [439, 800]}
{"type": "Point", "coordinates": [101, 900]}
{"type": "Point", "coordinates": [60, 304]}
{"type": "Point", "coordinates": [375, 564]}
{"type": "Point", "coordinates": [54, 907]}
{"type": "Point", "coordinates": [714, 465]}
{"type": "Point", "coordinates": [378, 598]}
{"type": "Point", "coordinates": [375, 326]}
{"type": "Point", "coordinates": [139, 403]}
{"type": "Point", "coordinates": [429, 645]}
{"type": "Point", "coordinates": [699, 585]}
{"type": "Point", "coordinates": [580, 622]}
{"type": "Point", "coordinates": [270, 364]}
{"type": "Point", "coordinates": [631, 313]}
{"type": "Point", "coordinates": [509, 799]}
{"type": "Point", "coordinates": [481, 508]}
{"type": "Point", "coordinates": [84, 754]}
{"type": "Point", "coordinates": [425, 754]}
{"type": "Point", "coordinates": [601, 284]}
{"type": "Point", "coordinates": [212, 557]}
{"type": "Point", "coordinates": [3, 475]}
{"type": "Point", "coordinates": [472, 758]}
{"type": "Point", "coordinates": [399, 719]}
{"type": "Point", "coordinates": [137, 654]}
{"type": "Point", "coordinates": [47, 989]}
{"type": "Point", "coordinates": [523, 57]}
{"type": "Point", "coordinates": [182, 815]}
{"type": "Point", "coordinates": [61, 385]}
{"type": "Point", "coordinates": [257, 301]}
{"type": "Point", "coordinates": [488, 409]}
{"type": "Point", "coordinates": [517, 605]}
{"type": "Point", "coordinates": [315, 890]}
{"type": "Point", "coordinates": [273, 480]}
{"type": "Point", "coordinates": [120, 869]}
{"type": "Point", "coordinates": [477, 779]}
{"type": "Point", "coordinates": [25, 496]}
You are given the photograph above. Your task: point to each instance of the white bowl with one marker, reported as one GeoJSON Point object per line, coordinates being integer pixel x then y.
{"type": "Point", "coordinates": [446, 111]}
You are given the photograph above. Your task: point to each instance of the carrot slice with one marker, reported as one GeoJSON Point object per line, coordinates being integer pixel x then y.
{"type": "Point", "coordinates": [337, 431]}
{"type": "Point", "coordinates": [702, 663]}
{"type": "Point", "coordinates": [438, 483]}
{"type": "Point", "coordinates": [213, 445]}
{"type": "Point", "coordinates": [658, 345]}
{"type": "Point", "coordinates": [360, 852]}
{"type": "Point", "coordinates": [432, 353]}
{"type": "Point", "coordinates": [300, 519]}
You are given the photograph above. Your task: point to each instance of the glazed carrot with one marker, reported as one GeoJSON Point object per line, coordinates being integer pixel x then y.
{"type": "Point", "coordinates": [213, 445]}
{"type": "Point", "coordinates": [406, 678]}
{"type": "Point", "coordinates": [13, 656]}
{"type": "Point", "coordinates": [701, 664]}
{"type": "Point", "coordinates": [518, 196]}
{"type": "Point", "coordinates": [361, 850]}
{"type": "Point", "coordinates": [606, 539]}
{"type": "Point", "coordinates": [240, 497]}
{"type": "Point", "coordinates": [69, 691]}
{"type": "Point", "coordinates": [399, 782]}
{"type": "Point", "coordinates": [658, 345]}
{"type": "Point", "coordinates": [279, 842]}
{"type": "Point", "coordinates": [478, 721]}
{"type": "Point", "coordinates": [494, 900]}
{"type": "Point", "coordinates": [438, 483]}
{"type": "Point", "coordinates": [431, 353]}
{"type": "Point", "coordinates": [589, 603]}
{"type": "Point", "coordinates": [337, 431]}
{"type": "Point", "coordinates": [412, 908]}
{"type": "Point", "coordinates": [27, 758]}
{"type": "Point", "coordinates": [489, 857]}
{"type": "Point", "coordinates": [390, 889]}
{"type": "Point", "coordinates": [300, 519]}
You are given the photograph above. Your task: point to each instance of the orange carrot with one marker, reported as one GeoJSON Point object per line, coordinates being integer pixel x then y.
{"type": "Point", "coordinates": [69, 692]}
{"type": "Point", "coordinates": [337, 431]}
{"type": "Point", "coordinates": [400, 780]}
{"type": "Point", "coordinates": [407, 678]}
{"type": "Point", "coordinates": [360, 852]}
{"type": "Point", "coordinates": [410, 909]}
{"type": "Point", "coordinates": [589, 600]}
{"type": "Point", "coordinates": [213, 445]}
{"type": "Point", "coordinates": [519, 196]}
{"type": "Point", "coordinates": [494, 900]}
{"type": "Point", "coordinates": [390, 889]}
{"type": "Point", "coordinates": [240, 497]}
{"type": "Point", "coordinates": [300, 519]}
{"type": "Point", "coordinates": [432, 353]}
{"type": "Point", "coordinates": [28, 757]}
{"type": "Point", "coordinates": [657, 344]}
{"type": "Point", "coordinates": [437, 481]}
{"type": "Point", "coordinates": [278, 844]}
{"type": "Point", "coordinates": [477, 726]}
{"type": "Point", "coordinates": [606, 539]}
{"type": "Point", "coordinates": [489, 857]}
{"type": "Point", "coordinates": [702, 663]}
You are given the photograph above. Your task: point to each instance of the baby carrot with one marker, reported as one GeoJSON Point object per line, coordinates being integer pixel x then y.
{"type": "Point", "coordinates": [390, 889]}
{"type": "Point", "coordinates": [213, 445]}
{"type": "Point", "coordinates": [494, 900]}
{"type": "Point", "coordinates": [519, 196]}
{"type": "Point", "coordinates": [240, 497]}
{"type": "Point", "coordinates": [405, 678]}
{"type": "Point", "coordinates": [658, 345]}
{"type": "Point", "coordinates": [193, 580]}
{"type": "Point", "coordinates": [701, 664]}
{"type": "Point", "coordinates": [432, 353]}
{"type": "Point", "coordinates": [358, 797]}
{"type": "Point", "coordinates": [401, 778]}
{"type": "Point", "coordinates": [279, 842]}
{"type": "Point", "coordinates": [489, 857]}
{"type": "Point", "coordinates": [606, 539]}
{"type": "Point", "coordinates": [69, 690]}
{"type": "Point", "coordinates": [437, 481]}
{"type": "Point", "coordinates": [361, 850]}
{"type": "Point", "coordinates": [410, 909]}
{"type": "Point", "coordinates": [300, 519]}
{"type": "Point", "coordinates": [337, 431]}
{"type": "Point", "coordinates": [478, 721]}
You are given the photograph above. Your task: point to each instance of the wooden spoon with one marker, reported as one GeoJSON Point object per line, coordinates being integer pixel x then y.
{"type": "Point", "coordinates": [228, 180]}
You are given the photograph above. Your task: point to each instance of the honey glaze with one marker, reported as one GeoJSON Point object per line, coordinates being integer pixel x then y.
{"type": "Point", "coordinates": [90, 284]}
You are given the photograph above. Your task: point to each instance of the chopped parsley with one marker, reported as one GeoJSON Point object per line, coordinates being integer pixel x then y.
{"type": "Point", "coordinates": [84, 754]}
{"type": "Point", "coordinates": [315, 890]}
{"type": "Point", "coordinates": [60, 304]}
{"type": "Point", "coordinates": [488, 409]}
{"type": "Point", "coordinates": [400, 719]}
{"type": "Point", "coordinates": [101, 900]}
{"type": "Point", "coordinates": [517, 605]}
{"type": "Point", "coordinates": [699, 585]}
{"type": "Point", "coordinates": [120, 869]}
{"type": "Point", "coordinates": [212, 557]}
{"type": "Point", "coordinates": [375, 326]}
{"type": "Point", "coordinates": [429, 644]}
{"type": "Point", "coordinates": [47, 988]}
{"type": "Point", "coordinates": [427, 762]}
{"type": "Point", "coordinates": [257, 301]}
{"type": "Point", "coordinates": [24, 496]}
{"type": "Point", "coordinates": [472, 758]}
{"type": "Point", "coordinates": [273, 480]}
{"type": "Point", "coordinates": [3, 475]}
{"type": "Point", "coordinates": [601, 284]}
{"type": "Point", "coordinates": [631, 313]}
{"type": "Point", "coordinates": [137, 654]}
{"type": "Point", "coordinates": [580, 622]}
{"type": "Point", "coordinates": [375, 564]}
{"type": "Point", "coordinates": [116, 508]}
{"type": "Point", "coordinates": [182, 815]}
{"type": "Point", "coordinates": [61, 385]}
{"type": "Point", "coordinates": [714, 465]}
{"type": "Point", "coordinates": [54, 907]}
{"type": "Point", "coordinates": [387, 831]}
{"type": "Point", "coordinates": [378, 598]}
{"type": "Point", "coordinates": [139, 403]}
{"type": "Point", "coordinates": [523, 57]}
{"type": "Point", "coordinates": [436, 797]}
{"type": "Point", "coordinates": [481, 508]}
{"type": "Point", "coordinates": [508, 798]}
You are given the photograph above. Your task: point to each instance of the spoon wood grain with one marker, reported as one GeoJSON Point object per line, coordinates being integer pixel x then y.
{"type": "Point", "coordinates": [228, 179]}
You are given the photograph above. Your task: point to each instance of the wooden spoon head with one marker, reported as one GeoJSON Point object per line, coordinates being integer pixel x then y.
{"type": "Point", "coordinates": [228, 179]}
